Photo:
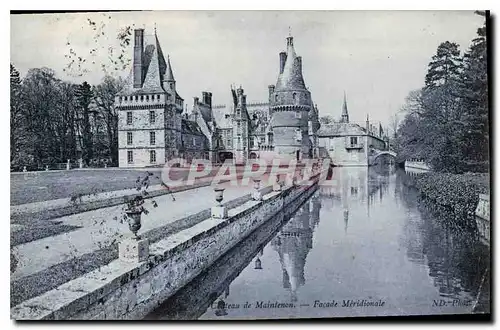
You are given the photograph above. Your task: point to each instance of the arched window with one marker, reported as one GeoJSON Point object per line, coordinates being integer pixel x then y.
{"type": "Point", "coordinates": [276, 97]}
{"type": "Point", "coordinates": [136, 97]}
{"type": "Point", "coordinates": [125, 98]}
{"type": "Point", "coordinates": [294, 95]}
{"type": "Point", "coordinates": [147, 98]}
{"type": "Point", "coordinates": [142, 98]}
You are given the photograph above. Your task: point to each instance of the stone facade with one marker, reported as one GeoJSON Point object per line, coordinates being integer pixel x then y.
{"type": "Point", "coordinates": [152, 128]}
{"type": "Point", "coordinates": [285, 126]}
{"type": "Point", "coordinates": [350, 144]}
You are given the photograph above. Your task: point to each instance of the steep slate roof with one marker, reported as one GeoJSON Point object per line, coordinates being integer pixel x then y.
{"type": "Point", "coordinates": [152, 81]}
{"type": "Point", "coordinates": [344, 108]}
{"type": "Point", "coordinates": [291, 78]}
{"type": "Point", "coordinates": [219, 114]}
{"type": "Point", "coordinates": [190, 127]}
{"type": "Point", "coordinates": [340, 129]}
{"type": "Point", "coordinates": [169, 76]}
{"type": "Point", "coordinates": [155, 70]}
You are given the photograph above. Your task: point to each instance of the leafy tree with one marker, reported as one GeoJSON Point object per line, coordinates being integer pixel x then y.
{"type": "Point", "coordinates": [84, 97]}
{"type": "Point", "coordinates": [39, 99]}
{"type": "Point", "coordinates": [475, 100]}
{"type": "Point", "coordinates": [104, 97]}
{"type": "Point", "coordinates": [445, 65]}
{"type": "Point", "coordinates": [326, 120]}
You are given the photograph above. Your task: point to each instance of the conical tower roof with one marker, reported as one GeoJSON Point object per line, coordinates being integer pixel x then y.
{"type": "Point", "coordinates": [291, 78]}
{"type": "Point", "coordinates": [169, 76]}
{"type": "Point", "coordinates": [345, 114]}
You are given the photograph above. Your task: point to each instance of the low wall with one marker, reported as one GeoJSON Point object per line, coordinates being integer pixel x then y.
{"type": "Point", "coordinates": [483, 217]}
{"type": "Point", "coordinates": [128, 290]}
{"type": "Point", "coordinates": [417, 165]}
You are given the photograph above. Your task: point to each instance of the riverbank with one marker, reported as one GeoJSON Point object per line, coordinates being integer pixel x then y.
{"type": "Point", "coordinates": [459, 192]}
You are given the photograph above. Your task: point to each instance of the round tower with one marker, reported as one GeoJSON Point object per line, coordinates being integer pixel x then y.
{"type": "Point", "coordinates": [290, 103]}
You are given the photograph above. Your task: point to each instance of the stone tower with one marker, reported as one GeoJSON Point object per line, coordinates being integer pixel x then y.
{"type": "Point", "coordinates": [290, 103]}
{"type": "Point", "coordinates": [149, 108]}
{"type": "Point", "coordinates": [240, 124]}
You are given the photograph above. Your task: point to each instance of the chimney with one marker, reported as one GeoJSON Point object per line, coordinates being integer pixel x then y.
{"type": "Point", "coordinates": [209, 99]}
{"type": "Point", "coordinates": [271, 91]}
{"type": "Point", "coordinates": [282, 61]}
{"type": "Point", "coordinates": [204, 97]}
{"type": "Point", "coordinates": [138, 54]}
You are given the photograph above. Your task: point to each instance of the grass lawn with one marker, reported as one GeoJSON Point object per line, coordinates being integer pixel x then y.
{"type": "Point", "coordinates": [41, 186]}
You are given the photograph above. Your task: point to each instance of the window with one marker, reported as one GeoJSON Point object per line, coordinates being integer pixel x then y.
{"type": "Point", "coordinates": [354, 140]}
{"type": "Point", "coordinates": [136, 97]}
{"type": "Point", "coordinates": [152, 156]}
{"type": "Point", "coordinates": [129, 138]}
{"type": "Point", "coordinates": [147, 98]}
{"type": "Point", "coordinates": [152, 117]}
{"type": "Point", "coordinates": [125, 98]}
{"type": "Point", "coordinates": [130, 156]}
{"type": "Point", "coordinates": [294, 95]}
{"type": "Point", "coordinates": [238, 112]}
{"type": "Point", "coordinates": [262, 139]}
{"type": "Point", "coordinates": [172, 85]}
{"type": "Point", "coordinates": [238, 123]}
{"type": "Point", "coordinates": [152, 138]}
{"type": "Point", "coordinates": [276, 98]}
{"type": "Point", "coordinates": [158, 96]}
{"type": "Point", "coordinates": [239, 140]}
{"type": "Point", "coordinates": [142, 98]}
{"type": "Point", "coordinates": [270, 138]}
{"type": "Point", "coordinates": [194, 141]}
{"type": "Point", "coordinates": [129, 118]}
{"type": "Point", "coordinates": [228, 142]}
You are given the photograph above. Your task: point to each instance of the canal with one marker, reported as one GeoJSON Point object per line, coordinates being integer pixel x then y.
{"type": "Point", "coordinates": [364, 246]}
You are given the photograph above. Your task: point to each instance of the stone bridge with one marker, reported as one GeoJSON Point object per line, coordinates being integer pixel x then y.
{"type": "Point", "coordinates": [375, 154]}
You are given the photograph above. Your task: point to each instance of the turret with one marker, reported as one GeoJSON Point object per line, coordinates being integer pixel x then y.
{"type": "Point", "coordinates": [345, 114]}
{"type": "Point", "coordinates": [169, 80]}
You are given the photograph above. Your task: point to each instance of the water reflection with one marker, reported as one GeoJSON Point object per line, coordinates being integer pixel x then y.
{"type": "Point", "coordinates": [293, 243]}
{"type": "Point", "coordinates": [369, 235]}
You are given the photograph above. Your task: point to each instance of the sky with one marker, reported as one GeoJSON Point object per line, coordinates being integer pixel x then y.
{"type": "Point", "coordinates": [376, 57]}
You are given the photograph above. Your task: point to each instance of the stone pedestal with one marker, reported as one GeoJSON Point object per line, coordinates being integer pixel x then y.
{"type": "Point", "coordinates": [256, 195]}
{"type": "Point", "coordinates": [132, 250]}
{"type": "Point", "coordinates": [219, 212]}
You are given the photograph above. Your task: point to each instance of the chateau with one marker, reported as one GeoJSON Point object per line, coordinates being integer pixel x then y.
{"type": "Point", "coordinates": [350, 144]}
{"type": "Point", "coordinates": [154, 128]}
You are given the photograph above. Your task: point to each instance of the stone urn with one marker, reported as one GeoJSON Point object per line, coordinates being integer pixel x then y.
{"type": "Point", "coordinates": [256, 195]}
{"type": "Point", "coordinates": [219, 195]}
{"type": "Point", "coordinates": [256, 183]}
{"type": "Point", "coordinates": [134, 221]}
